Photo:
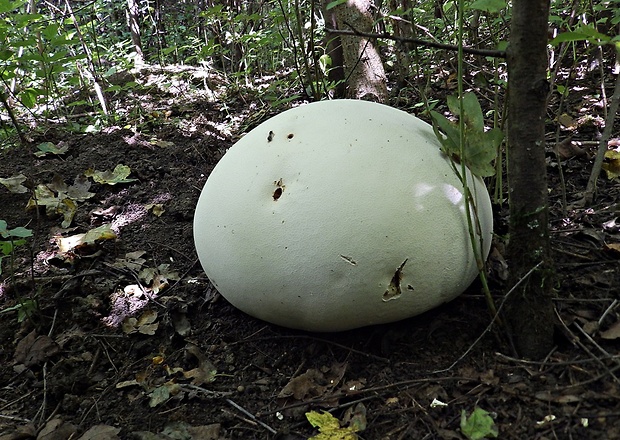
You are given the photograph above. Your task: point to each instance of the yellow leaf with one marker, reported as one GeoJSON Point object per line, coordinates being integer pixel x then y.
{"type": "Point", "coordinates": [329, 427]}
{"type": "Point", "coordinates": [567, 121]}
{"type": "Point", "coordinates": [612, 164]}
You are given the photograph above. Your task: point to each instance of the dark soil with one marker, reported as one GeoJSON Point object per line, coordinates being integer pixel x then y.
{"type": "Point", "coordinates": [189, 365]}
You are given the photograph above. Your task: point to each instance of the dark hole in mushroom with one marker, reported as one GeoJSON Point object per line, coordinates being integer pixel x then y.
{"type": "Point", "coordinates": [277, 193]}
{"type": "Point", "coordinates": [290, 135]}
{"type": "Point", "coordinates": [394, 289]}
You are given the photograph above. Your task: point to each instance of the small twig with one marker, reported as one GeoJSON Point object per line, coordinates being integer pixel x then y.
{"type": "Point", "coordinates": [17, 419]}
{"type": "Point", "coordinates": [251, 416]}
{"type": "Point", "coordinates": [576, 341]}
{"type": "Point", "coordinates": [607, 311]}
{"type": "Point", "coordinates": [314, 338]}
{"type": "Point", "coordinates": [9, 404]}
{"type": "Point", "coordinates": [554, 364]}
{"type": "Point", "coordinates": [493, 320]}
{"type": "Point", "coordinates": [602, 148]}
{"type": "Point", "coordinates": [49, 334]}
{"type": "Point", "coordinates": [208, 393]}
{"type": "Point", "coordinates": [402, 385]}
{"type": "Point", "coordinates": [599, 348]}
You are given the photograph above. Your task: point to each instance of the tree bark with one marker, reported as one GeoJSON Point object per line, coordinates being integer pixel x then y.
{"type": "Point", "coordinates": [133, 20]}
{"type": "Point", "coordinates": [530, 313]}
{"type": "Point", "coordinates": [363, 68]}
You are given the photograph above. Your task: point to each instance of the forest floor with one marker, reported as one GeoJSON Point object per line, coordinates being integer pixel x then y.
{"type": "Point", "coordinates": [122, 335]}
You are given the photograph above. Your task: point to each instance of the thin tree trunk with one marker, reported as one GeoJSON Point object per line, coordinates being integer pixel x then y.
{"type": "Point", "coordinates": [133, 19]}
{"type": "Point", "coordinates": [530, 310]}
{"type": "Point", "coordinates": [363, 68]}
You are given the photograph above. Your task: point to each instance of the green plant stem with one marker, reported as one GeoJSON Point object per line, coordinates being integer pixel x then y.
{"type": "Point", "coordinates": [469, 199]}
{"type": "Point", "coordinates": [9, 111]}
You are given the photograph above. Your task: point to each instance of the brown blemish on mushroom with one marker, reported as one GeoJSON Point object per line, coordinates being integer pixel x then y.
{"type": "Point", "coordinates": [349, 260]}
{"type": "Point", "coordinates": [290, 136]}
{"type": "Point", "coordinates": [277, 193]}
{"type": "Point", "coordinates": [394, 291]}
{"type": "Point", "coordinates": [279, 190]}
{"type": "Point", "coordinates": [270, 136]}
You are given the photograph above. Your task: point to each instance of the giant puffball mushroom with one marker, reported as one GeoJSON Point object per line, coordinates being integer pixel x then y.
{"type": "Point", "coordinates": [337, 215]}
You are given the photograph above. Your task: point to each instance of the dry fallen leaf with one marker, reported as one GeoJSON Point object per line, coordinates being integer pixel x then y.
{"type": "Point", "coordinates": [33, 349]}
{"type": "Point", "coordinates": [614, 248]}
{"type": "Point", "coordinates": [612, 164]}
{"type": "Point", "coordinates": [567, 149]}
{"type": "Point", "coordinates": [14, 183]}
{"type": "Point", "coordinates": [101, 432]}
{"type": "Point", "coordinates": [613, 332]}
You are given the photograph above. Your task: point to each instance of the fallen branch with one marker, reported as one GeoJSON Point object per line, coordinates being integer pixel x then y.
{"type": "Point", "coordinates": [418, 42]}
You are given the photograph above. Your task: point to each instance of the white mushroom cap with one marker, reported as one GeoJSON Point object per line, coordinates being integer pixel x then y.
{"type": "Point", "coordinates": [336, 215]}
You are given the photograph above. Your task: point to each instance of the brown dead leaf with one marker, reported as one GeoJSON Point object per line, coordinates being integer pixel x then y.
{"type": "Point", "coordinates": [613, 248]}
{"type": "Point", "coordinates": [205, 432]}
{"type": "Point", "coordinates": [101, 432]}
{"type": "Point", "coordinates": [613, 332]}
{"type": "Point", "coordinates": [567, 149]}
{"type": "Point", "coordinates": [206, 371]}
{"type": "Point", "coordinates": [57, 429]}
{"type": "Point", "coordinates": [33, 349]}
{"type": "Point", "coordinates": [548, 396]}
{"type": "Point", "coordinates": [306, 386]}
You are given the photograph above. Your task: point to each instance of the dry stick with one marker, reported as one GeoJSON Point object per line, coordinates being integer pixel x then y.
{"type": "Point", "coordinates": [602, 147]}
{"type": "Point", "coordinates": [251, 416]}
{"type": "Point", "coordinates": [576, 340]}
{"type": "Point", "coordinates": [607, 311]}
{"type": "Point", "coordinates": [418, 42]}
{"type": "Point", "coordinates": [313, 338]}
{"type": "Point", "coordinates": [601, 349]}
{"type": "Point", "coordinates": [486, 330]}
{"type": "Point", "coordinates": [554, 364]}
{"type": "Point", "coordinates": [405, 384]}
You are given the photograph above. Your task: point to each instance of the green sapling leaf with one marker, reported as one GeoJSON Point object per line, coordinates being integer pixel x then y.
{"type": "Point", "coordinates": [479, 425]}
{"type": "Point", "coordinates": [480, 149]}
{"type": "Point", "coordinates": [491, 6]}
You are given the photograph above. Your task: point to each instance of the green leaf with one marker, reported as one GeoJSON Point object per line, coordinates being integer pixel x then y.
{"type": "Point", "coordinates": [48, 147]}
{"type": "Point", "coordinates": [119, 175]}
{"type": "Point", "coordinates": [491, 6]}
{"type": "Point", "coordinates": [582, 33]}
{"type": "Point", "coordinates": [480, 149]}
{"type": "Point", "coordinates": [20, 232]}
{"type": "Point", "coordinates": [6, 247]}
{"type": "Point", "coordinates": [8, 6]}
{"type": "Point", "coordinates": [450, 141]}
{"type": "Point", "coordinates": [479, 425]}
{"type": "Point", "coordinates": [28, 97]}
{"type": "Point", "coordinates": [335, 3]}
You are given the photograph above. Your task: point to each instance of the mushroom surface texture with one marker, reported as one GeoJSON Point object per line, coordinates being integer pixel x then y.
{"type": "Point", "coordinates": [337, 215]}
